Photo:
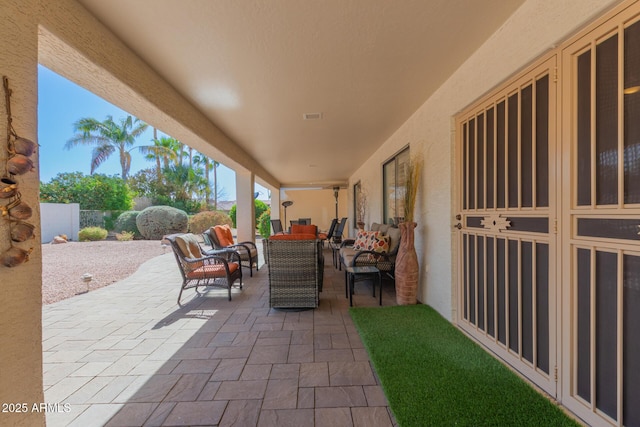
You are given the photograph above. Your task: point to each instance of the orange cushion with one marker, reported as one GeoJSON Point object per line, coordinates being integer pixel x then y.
{"type": "Point", "coordinates": [304, 229]}
{"type": "Point", "coordinates": [223, 233]}
{"type": "Point", "coordinates": [211, 270]}
{"type": "Point", "coordinates": [293, 237]}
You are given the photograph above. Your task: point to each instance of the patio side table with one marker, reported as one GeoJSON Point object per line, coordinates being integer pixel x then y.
{"type": "Point", "coordinates": [352, 274]}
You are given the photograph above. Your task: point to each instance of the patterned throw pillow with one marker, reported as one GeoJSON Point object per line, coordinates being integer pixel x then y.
{"type": "Point", "coordinates": [360, 243]}
{"type": "Point", "coordinates": [381, 244]}
{"type": "Point", "coordinates": [371, 241]}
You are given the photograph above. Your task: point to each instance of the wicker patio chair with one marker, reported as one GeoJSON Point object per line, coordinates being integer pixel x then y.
{"type": "Point", "coordinates": [220, 237]}
{"type": "Point", "coordinates": [295, 272]}
{"type": "Point", "coordinates": [221, 269]}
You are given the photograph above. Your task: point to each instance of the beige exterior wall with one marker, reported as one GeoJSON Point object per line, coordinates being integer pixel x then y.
{"type": "Point", "coordinates": [20, 287]}
{"type": "Point", "coordinates": [536, 27]}
{"type": "Point", "coordinates": [319, 205]}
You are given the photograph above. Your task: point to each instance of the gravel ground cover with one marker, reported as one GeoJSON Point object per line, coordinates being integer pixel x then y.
{"type": "Point", "coordinates": [107, 261]}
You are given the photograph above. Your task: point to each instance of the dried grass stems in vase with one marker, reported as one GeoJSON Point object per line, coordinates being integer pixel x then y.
{"type": "Point", "coordinates": [361, 200]}
{"type": "Point", "coordinates": [413, 170]}
{"type": "Point", "coordinates": [407, 267]}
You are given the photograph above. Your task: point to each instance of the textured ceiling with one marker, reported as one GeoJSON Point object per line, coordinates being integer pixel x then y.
{"type": "Point", "coordinates": [255, 67]}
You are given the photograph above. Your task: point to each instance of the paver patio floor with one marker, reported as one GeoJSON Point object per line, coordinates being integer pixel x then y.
{"type": "Point", "coordinates": [128, 355]}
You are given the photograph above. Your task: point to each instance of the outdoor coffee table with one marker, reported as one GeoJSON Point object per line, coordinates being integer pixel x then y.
{"type": "Point", "coordinates": [352, 274]}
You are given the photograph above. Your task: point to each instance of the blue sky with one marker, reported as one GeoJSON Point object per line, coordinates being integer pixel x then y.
{"type": "Point", "coordinates": [60, 104]}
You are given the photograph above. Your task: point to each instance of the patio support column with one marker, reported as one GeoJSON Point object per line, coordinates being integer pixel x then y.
{"type": "Point", "coordinates": [245, 206]}
{"type": "Point", "coordinates": [275, 204]}
{"type": "Point", "coordinates": [21, 286]}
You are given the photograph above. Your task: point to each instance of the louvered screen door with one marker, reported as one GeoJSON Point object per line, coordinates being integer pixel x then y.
{"type": "Point", "coordinates": [506, 266]}
{"type": "Point", "coordinates": [601, 86]}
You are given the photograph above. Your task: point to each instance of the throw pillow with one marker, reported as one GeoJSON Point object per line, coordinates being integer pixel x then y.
{"type": "Point", "coordinates": [224, 235]}
{"type": "Point", "coordinates": [304, 229]}
{"type": "Point", "coordinates": [360, 244]}
{"type": "Point", "coordinates": [371, 241]}
{"type": "Point", "coordinates": [380, 243]}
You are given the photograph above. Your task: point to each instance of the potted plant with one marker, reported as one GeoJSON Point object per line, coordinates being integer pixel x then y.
{"type": "Point", "coordinates": [407, 268]}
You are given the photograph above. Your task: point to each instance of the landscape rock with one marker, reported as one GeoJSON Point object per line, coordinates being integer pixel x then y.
{"type": "Point", "coordinates": [59, 239]}
{"type": "Point", "coordinates": [155, 222]}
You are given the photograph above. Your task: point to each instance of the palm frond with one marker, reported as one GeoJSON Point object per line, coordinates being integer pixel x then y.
{"type": "Point", "coordinates": [82, 139]}
{"type": "Point", "coordinates": [100, 154]}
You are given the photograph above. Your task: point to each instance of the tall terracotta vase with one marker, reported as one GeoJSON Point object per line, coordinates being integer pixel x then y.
{"type": "Point", "coordinates": [407, 266]}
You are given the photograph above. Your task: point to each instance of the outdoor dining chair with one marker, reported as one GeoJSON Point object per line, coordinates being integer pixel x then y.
{"type": "Point", "coordinates": [328, 234]}
{"type": "Point", "coordinates": [337, 234]}
{"type": "Point", "coordinates": [276, 224]}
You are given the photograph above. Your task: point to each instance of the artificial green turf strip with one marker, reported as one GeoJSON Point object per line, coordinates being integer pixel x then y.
{"type": "Point", "coordinates": [433, 375]}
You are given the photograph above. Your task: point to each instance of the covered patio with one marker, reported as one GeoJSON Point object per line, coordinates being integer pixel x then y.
{"type": "Point", "coordinates": [126, 354]}
{"type": "Point", "coordinates": [525, 113]}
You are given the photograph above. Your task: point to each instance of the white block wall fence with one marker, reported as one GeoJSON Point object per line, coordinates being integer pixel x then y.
{"type": "Point", "coordinates": [59, 218]}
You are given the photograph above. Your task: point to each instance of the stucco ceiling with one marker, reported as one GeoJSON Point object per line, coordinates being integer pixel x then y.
{"type": "Point", "coordinates": [255, 67]}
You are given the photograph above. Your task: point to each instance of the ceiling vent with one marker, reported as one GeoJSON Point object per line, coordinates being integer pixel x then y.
{"type": "Point", "coordinates": [312, 116]}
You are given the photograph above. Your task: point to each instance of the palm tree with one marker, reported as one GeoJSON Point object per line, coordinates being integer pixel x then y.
{"type": "Point", "coordinates": [215, 185]}
{"type": "Point", "coordinates": [201, 160]}
{"type": "Point", "coordinates": [108, 137]}
{"type": "Point", "coordinates": [162, 151]}
{"type": "Point", "coordinates": [186, 182]}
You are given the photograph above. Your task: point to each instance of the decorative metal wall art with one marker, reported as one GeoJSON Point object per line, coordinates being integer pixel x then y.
{"type": "Point", "coordinates": [495, 222]}
{"type": "Point", "coordinates": [12, 208]}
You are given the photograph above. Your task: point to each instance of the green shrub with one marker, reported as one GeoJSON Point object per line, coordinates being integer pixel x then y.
{"type": "Point", "coordinates": [125, 236]}
{"type": "Point", "coordinates": [111, 218]}
{"type": "Point", "coordinates": [260, 207]}
{"type": "Point", "coordinates": [127, 222]}
{"type": "Point", "coordinates": [202, 221]}
{"type": "Point", "coordinates": [189, 206]}
{"type": "Point", "coordinates": [92, 234]}
{"type": "Point", "coordinates": [93, 192]}
{"type": "Point", "coordinates": [264, 224]}
{"type": "Point", "coordinates": [232, 215]}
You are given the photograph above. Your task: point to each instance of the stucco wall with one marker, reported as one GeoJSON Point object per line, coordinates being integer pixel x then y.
{"type": "Point", "coordinates": [536, 27]}
{"type": "Point", "coordinates": [20, 287]}
{"type": "Point", "coordinates": [319, 205]}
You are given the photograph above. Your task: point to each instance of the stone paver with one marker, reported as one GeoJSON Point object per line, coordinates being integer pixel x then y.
{"type": "Point", "coordinates": [127, 354]}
